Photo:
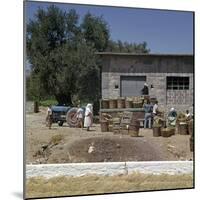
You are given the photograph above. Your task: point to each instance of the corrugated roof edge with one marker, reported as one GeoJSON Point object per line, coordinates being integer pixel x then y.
{"type": "Point", "coordinates": [140, 54]}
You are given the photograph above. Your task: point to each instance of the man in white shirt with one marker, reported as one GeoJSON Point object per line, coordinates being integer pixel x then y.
{"type": "Point", "coordinates": [155, 108]}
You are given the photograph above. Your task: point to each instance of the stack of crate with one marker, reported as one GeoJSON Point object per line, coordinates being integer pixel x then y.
{"type": "Point", "coordinates": [125, 122]}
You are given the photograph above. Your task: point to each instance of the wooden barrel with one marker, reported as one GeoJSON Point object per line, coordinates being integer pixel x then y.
{"type": "Point", "coordinates": [104, 126]}
{"type": "Point", "coordinates": [105, 103]}
{"type": "Point", "coordinates": [112, 103]}
{"type": "Point", "coordinates": [121, 103]}
{"type": "Point", "coordinates": [156, 131]}
{"type": "Point", "coordinates": [183, 128]}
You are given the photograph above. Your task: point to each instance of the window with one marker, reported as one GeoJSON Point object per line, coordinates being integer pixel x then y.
{"type": "Point", "coordinates": [177, 83]}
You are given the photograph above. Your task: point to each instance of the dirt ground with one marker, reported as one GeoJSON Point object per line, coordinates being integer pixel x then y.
{"type": "Point", "coordinates": [70, 145]}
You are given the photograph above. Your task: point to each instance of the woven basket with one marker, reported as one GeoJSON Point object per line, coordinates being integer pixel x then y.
{"type": "Point", "coordinates": [166, 132]}
{"type": "Point", "coordinates": [113, 103]}
{"type": "Point", "coordinates": [121, 103]}
{"type": "Point", "coordinates": [104, 126]}
{"type": "Point", "coordinates": [183, 128]}
{"type": "Point", "coordinates": [133, 133]}
{"type": "Point", "coordinates": [105, 103]}
{"type": "Point", "coordinates": [156, 131]}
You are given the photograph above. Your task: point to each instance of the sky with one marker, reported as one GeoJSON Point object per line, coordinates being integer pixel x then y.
{"type": "Point", "coordinates": [164, 31]}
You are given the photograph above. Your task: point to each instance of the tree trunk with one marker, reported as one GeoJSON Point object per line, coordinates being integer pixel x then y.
{"type": "Point", "coordinates": [64, 99]}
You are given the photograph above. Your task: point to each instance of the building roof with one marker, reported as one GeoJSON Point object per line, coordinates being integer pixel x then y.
{"type": "Point", "coordinates": [139, 54]}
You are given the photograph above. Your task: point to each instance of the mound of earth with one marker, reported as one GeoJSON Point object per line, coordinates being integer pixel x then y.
{"type": "Point", "coordinates": [112, 150]}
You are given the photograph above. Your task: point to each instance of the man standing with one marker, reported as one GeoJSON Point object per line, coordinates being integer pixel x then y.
{"type": "Point", "coordinates": [155, 108]}
{"type": "Point", "coordinates": [145, 90]}
{"type": "Point", "coordinates": [148, 113]}
{"type": "Point", "coordinates": [49, 117]}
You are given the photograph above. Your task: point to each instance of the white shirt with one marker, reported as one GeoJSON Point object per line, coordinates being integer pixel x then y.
{"type": "Point", "coordinates": [155, 107]}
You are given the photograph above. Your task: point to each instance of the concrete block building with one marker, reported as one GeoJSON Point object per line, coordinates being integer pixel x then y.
{"type": "Point", "coordinates": [170, 77]}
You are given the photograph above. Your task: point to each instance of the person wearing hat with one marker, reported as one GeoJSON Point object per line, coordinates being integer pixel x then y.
{"type": "Point", "coordinates": [145, 89]}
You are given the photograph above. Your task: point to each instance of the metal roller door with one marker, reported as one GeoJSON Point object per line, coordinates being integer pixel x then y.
{"type": "Point", "coordinates": [131, 85]}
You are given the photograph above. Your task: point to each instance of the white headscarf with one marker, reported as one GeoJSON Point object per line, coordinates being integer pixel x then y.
{"type": "Point", "coordinates": [145, 84]}
{"type": "Point", "coordinates": [89, 107]}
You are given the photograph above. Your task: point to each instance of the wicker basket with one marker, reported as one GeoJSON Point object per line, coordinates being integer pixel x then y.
{"type": "Point", "coordinates": [129, 103]}
{"type": "Point", "coordinates": [133, 133]}
{"type": "Point", "coordinates": [105, 103]}
{"type": "Point", "coordinates": [166, 132]}
{"type": "Point", "coordinates": [121, 103]}
{"type": "Point", "coordinates": [138, 104]}
{"type": "Point", "coordinates": [156, 131]}
{"type": "Point", "coordinates": [110, 128]}
{"type": "Point", "coordinates": [104, 126]}
{"type": "Point", "coordinates": [113, 103]}
{"type": "Point", "coordinates": [183, 128]}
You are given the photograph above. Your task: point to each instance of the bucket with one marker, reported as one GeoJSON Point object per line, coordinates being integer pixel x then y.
{"type": "Point", "coordinates": [105, 103]}
{"type": "Point", "coordinates": [120, 103]}
{"type": "Point", "coordinates": [104, 126]}
{"type": "Point", "coordinates": [156, 131]}
{"type": "Point", "coordinates": [112, 103]}
{"type": "Point", "coordinates": [183, 128]}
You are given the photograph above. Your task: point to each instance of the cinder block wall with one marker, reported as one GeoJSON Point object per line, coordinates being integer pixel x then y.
{"type": "Point", "coordinates": [156, 72]}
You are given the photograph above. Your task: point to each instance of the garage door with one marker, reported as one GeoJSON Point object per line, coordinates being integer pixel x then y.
{"type": "Point", "coordinates": [132, 85]}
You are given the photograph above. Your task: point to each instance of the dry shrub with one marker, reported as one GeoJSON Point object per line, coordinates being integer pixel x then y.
{"type": "Point", "coordinates": [56, 139]}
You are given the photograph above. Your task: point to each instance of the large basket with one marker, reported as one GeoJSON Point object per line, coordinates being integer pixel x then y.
{"type": "Point", "coordinates": [121, 103]}
{"type": "Point", "coordinates": [166, 132]}
{"type": "Point", "coordinates": [129, 103]}
{"type": "Point", "coordinates": [104, 126]}
{"type": "Point", "coordinates": [105, 103]}
{"type": "Point", "coordinates": [156, 131]}
{"type": "Point", "coordinates": [183, 128]}
{"type": "Point", "coordinates": [138, 104]}
{"type": "Point", "coordinates": [134, 133]}
{"type": "Point", "coordinates": [112, 103]}
{"type": "Point", "coordinates": [134, 128]}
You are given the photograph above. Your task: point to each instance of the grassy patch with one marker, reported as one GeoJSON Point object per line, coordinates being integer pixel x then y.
{"type": "Point", "coordinates": [61, 186]}
{"type": "Point", "coordinates": [48, 102]}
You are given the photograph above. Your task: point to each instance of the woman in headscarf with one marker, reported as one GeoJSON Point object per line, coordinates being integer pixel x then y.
{"type": "Point", "coordinates": [88, 116]}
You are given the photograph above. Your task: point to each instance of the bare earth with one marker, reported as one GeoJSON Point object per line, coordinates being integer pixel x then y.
{"type": "Point", "coordinates": [68, 145]}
